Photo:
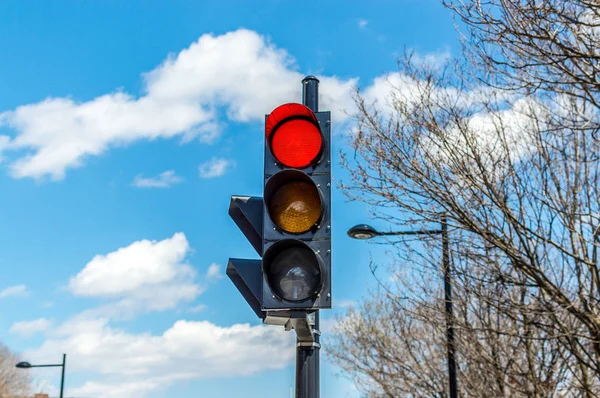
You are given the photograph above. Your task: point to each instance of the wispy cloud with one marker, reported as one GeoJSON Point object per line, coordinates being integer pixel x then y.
{"type": "Point", "coordinates": [28, 328]}
{"type": "Point", "coordinates": [214, 272]}
{"type": "Point", "coordinates": [345, 303]}
{"type": "Point", "coordinates": [16, 291]}
{"type": "Point", "coordinates": [163, 180]}
{"type": "Point", "coordinates": [215, 167]}
{"type": "Point", "coordinates": [197, 308]}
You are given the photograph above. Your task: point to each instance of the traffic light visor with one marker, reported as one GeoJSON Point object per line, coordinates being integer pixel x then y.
{"type": "Point", "coordinates": [293, 270]}
{"type": "Point", "coordinates": [293, 201]}
{"type": "Point", "coordinates": [294, 136]}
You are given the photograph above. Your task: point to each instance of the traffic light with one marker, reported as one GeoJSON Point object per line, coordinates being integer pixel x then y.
{"type": "Point", "coordinates": [296, 261]}
{"type": "Point", "coordinates": [290, 227]}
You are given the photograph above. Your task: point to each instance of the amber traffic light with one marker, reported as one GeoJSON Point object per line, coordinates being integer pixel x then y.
{"type": "Point", "coordinates": [293, 201]}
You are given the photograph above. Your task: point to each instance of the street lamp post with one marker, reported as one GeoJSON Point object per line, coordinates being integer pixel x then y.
{"type": "Point", "coordinates": [364, 231]}
{"type": "Point", "coordinates": [27, 365]}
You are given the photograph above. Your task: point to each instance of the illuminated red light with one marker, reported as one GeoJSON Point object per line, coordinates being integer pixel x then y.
{"type": "Point", "coordinates": [294, 136]}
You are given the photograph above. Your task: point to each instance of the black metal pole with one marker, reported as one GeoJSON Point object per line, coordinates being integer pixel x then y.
{"type": "Point", "coordinates": [62, 379]}
{"type": "Point", "coordinates": [310, 93]}
{"type": "Point", "coordinates": [449, 315]}
{"type": "Point", "coordinates": [307, 366]}
{"type": "Point", "coordinates": [307, 358]}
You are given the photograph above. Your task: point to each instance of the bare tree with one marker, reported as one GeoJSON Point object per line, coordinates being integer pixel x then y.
{"type": "Point", "coordinates": [13, 382]}
{"type": "Point", "coordinates": [504, 142]}
{"type": "Point", "coordinates": [395, 345]}
{"type": "Point", "coordinates": [387, 352]}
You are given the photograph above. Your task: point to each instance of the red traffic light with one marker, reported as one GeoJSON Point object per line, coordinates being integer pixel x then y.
{"type": "Point", "coordinates": [294, 137]}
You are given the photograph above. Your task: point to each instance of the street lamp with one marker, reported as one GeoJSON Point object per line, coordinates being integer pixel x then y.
{"type": "Point", "coordinates": [364, 231]}
{"type": "Point", "coordinates": [27, 365]}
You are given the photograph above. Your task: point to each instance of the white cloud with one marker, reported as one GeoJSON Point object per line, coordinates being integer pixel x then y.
{"type": "Point", "coordinates": [499, 136]}
{"type": "Point", "coordinates": [433, 60]}
{"type": "Point", "coordinates": [215, 167]}
{"type": "Point", "coordinates": [214, 272]}
{"type": "Point", "coordinates": [27, 328]}
{"type": "Point", "coordinates": [393, 83]}
{"type": "Point", "coordinates": [182, 97]}
{"type": "Point", "coordinates": [15, 291]}
{"type": "Point", "coordinates": [149, 275]}
{"type": "Point", "coordinates": [131, 365]}
{"type": "Point", "coordinates": [163, 180]}
{"type": "Point", "coordinates": [62, 132]}
{"type": "Point", "coordinates": [386, 90]}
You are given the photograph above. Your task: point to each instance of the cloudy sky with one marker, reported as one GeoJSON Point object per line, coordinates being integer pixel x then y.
{"type": "Point", "coordinates": [125, 126]}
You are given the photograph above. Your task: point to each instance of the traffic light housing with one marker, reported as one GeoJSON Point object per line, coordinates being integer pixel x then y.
{"type": "Point", "coordinates": [290, 228]}
{"type": "Point", "coordinates": [297, 218]}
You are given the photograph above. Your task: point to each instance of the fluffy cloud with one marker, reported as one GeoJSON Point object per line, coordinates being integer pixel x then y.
{"type": "Point", "coordinates": [62, 132]}
{"type": "Point", "coordinates": [182, 98]}
{"type": "Point", "coordinates": [28, 328]}
{"type": "Point", "coordinates": [149, 275]}
{"type": "Point", "coordinates": [215, 167]}
{"type": "Point", "coordinates": [131, 365]}
{"type": "Point", "coordinates": [163, 180]}
{"type": "Point", "coordinates": [17, 291]}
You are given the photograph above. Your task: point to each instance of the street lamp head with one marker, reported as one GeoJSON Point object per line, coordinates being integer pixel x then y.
{"type": "Point", "coordinates": [362, 231]}
{"type": "Point", "coordinates": [23, 365]}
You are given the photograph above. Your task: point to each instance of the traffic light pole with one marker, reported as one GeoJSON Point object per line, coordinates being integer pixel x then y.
{"type": "Point", "coordinates": [307, 365]}
{"type": "Point", "coordinates": [307, 357]}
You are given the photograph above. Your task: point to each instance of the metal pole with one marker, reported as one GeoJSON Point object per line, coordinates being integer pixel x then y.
{"type": "Point", "coordinates": [449, 315]}
{"type": "Point", "coordinates": [62, 379]}
{"type": "Point", "coordinates": [307, 358]}
{"type": "Point", "coordinates": [310, 93]}
{"type": "Point", "coordinates": [307, 366]}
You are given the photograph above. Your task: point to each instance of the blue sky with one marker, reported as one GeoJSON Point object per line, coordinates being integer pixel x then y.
{"type": "Point", "coordinates": [125, 126]}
